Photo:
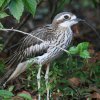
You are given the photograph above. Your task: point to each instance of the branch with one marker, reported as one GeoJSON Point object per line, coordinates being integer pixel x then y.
{"type": "Point", "coordinates": [15, 30]}
{"type": "Point", "coordinates": [19, 27]}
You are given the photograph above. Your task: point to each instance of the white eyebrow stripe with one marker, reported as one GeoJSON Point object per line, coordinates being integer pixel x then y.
{"type": "Point", "coordinates": [61, 17]}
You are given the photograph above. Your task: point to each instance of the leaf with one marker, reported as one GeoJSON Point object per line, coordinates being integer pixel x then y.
{"type": "Point", "coordinates": [85, 54]}
{"type": "Point", "coordinates": [6, 2]}
{"type": "Point", "coordinates": [3, 14]}
{"type": "Point", "coordinates": [30, 5]}
{"type": "Point", "coordinates": [25, 96]}
{"type": "Point", "coordinates": [1, 2]}
{"type": "Point", "coordinates": [5, 93]}
{"type": "Point", "coordinates": [1, 26]}
{"type": "Point", "coordinates": [83, 46]}
{"type": "Point", "coordinates": [16, 8]}
{"type": "Point", "coordinates": [11, 88]}
{"type": "Point", "coordinates": [73, 50]}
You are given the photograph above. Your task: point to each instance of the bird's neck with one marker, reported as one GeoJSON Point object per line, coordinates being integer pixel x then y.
{"type": "Point", "coordinates": [56, 26]}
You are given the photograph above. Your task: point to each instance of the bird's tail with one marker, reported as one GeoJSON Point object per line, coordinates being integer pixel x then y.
{"type": "Point", "coordinates": [13, 73]}
{"type": "Point", "coordinates": [5, 77]}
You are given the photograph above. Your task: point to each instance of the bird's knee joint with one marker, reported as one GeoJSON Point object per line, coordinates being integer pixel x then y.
{"type": "Point", "coordinates": [38, 77]}
{"type": "Point", "coordinates": [46, 77]}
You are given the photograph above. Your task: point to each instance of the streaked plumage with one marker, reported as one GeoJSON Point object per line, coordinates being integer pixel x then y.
{"type": "Point", "coordinates": [58, 33]}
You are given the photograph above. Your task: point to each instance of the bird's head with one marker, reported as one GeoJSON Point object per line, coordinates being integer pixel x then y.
{"type": "Point", "coordinates": [65, 19]}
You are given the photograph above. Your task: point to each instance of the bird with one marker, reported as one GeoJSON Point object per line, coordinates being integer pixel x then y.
{"type": "Point", "coordinates": [52, 39]}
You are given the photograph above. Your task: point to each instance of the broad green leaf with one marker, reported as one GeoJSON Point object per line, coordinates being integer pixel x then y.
{"type": "Point", "coordinates": [73, 50]}
{"type": "Point", "coordinates": [11, 88]}
{"type": "Point", "coordinates": [16, 8]}
{"type": "Point", "coordinates": [83, 46]}
{"type": "Point", "coordinates": [1, 26]}
{"type": "Point", "coordinates": [6, 2]}
{"type": "Point", "coordinates": [25, 96]}
{"type": "Point", "coordinates": [85, 54]}
{"type": "Point", "coordinates": [1, 2]}
{"type": "Point", "coordinates": [3, 14]}
{"type": "Point", "coordinates": [30, 5]}
{"type": "Point", "coordinates": [5, 93]}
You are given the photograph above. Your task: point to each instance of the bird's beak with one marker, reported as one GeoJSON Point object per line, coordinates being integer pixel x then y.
{"type": "Point", "coordinates": [88, 24]}
{"type": "Point", "coordinates": [78, 20]}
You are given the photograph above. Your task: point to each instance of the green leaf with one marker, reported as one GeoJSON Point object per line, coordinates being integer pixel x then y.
{"type": "Point", "coordinates": [11, 88]}
{"type": "Point", "coordinates": [16, 8]}
{"type": "Point", "coordinates": [73, 50]}
{"type": "Point", "coordinates": [25, 96]}
{"type": "Point", "coordinates": [1, 2]}
{"type": "Point", "coordinates": [3, 14]}
{"type": "Point", "coordinates": [1, 26]}
{"type": "Point", "coordinates": [83, 46]}
{"type": "Point", "coordinates": [6, 2]}
{"type": "Point", "coordinates": [5, 93]}
{"type": "Point", "coordinates": [30, 5]}
{"type": "Point", "coordinates": [85, 54]}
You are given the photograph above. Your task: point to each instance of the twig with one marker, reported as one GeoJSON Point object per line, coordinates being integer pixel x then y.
{"type": "Point", "coordinates": [19, 27]}
{"type": "Point", "coordinates": [15, 30]}
{"type": "Point", "coordinates": [33, 37]}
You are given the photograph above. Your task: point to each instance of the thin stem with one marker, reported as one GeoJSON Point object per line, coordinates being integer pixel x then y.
{"type": "Point", "coordinates": [15, 30]}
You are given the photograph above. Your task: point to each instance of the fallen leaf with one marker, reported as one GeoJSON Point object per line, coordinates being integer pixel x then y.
{"type": "Point", "coordinates": [74, 81]}
{"type": "Point", "coordinates": [95, 95]}
{"type": "Point", "coordinates": [17, 98]}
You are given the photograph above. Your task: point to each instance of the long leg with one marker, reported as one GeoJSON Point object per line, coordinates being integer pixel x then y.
{"type": "Point", "coordinates": [46, 79]}
{"type": "Point", "coordinates": [38, 80]}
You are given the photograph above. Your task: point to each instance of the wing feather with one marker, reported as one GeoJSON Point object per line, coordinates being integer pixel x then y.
{"type": "Point", "coordinates": [30, 46]}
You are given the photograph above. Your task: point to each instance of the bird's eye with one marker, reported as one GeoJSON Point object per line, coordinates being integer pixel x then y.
{"type": "Point", "coordinates": [66, 17]}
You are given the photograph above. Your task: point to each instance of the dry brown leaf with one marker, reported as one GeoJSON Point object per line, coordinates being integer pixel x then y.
{"type": "Point", "coordinates": [91, 51]}
{"type": "Point", "coordinates": [98, 56]}
{"type": "Point", "coordinates": [92, 60]}
{"type": "Point", "coordinates": [35, 98]}
{"type": "Point", "coordinates": [95, 95]}
{"type": "Point", "coordinates": [17, 98]}
{"type": "Point", "coordinates": [74, 81]}
{"type": "Point", "coordinates": [56, 95]}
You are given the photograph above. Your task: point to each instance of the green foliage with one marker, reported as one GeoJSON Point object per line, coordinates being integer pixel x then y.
{"type": "Point", "coordinates": [6, 95]}
{"type": "Point", "coordinates": [85, 54]}
{"type": "Point", "coordinates": [5, 4]}
{"type": "Point", "coordinates": [62, 70]}
{"type": "Point", "coordinates": [3, 14]}
{"type": "Point", "coordinates": [81, 50]}
{"type": "Point", "coordinates": [1, 26]}
{"type": "Point", "coordinates": [16, 8]}
{"type": "Point", "coordinates": [1, 2]}
{"type": "Point", "coordinates": [30, 5]}
{"type": "Point", "coordinates": [25, 96]}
